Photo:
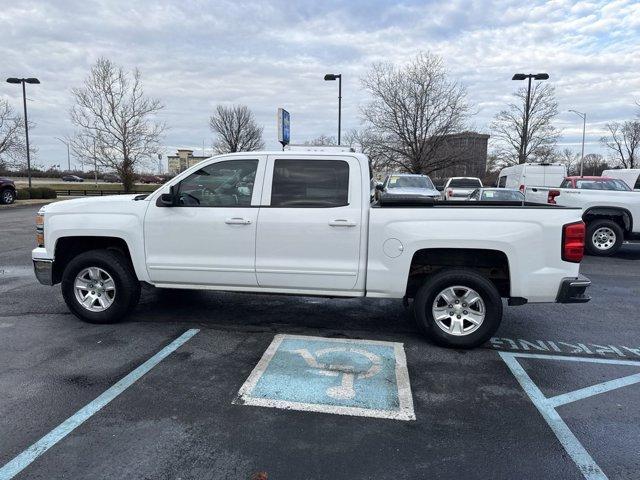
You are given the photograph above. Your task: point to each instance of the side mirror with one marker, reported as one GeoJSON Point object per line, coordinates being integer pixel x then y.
{"type": "Point", "coordinates": [379, 187]}
{"type": "Point", "coordinates": [167, 199]}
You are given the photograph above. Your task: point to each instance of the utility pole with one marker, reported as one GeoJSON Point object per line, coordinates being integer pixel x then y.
{"type": "Point", "coordinates": [24, 81]}
{"type": "Point", "coordinates": [584, 127]}
{"type": "Point", "coordinates": [522, 153]}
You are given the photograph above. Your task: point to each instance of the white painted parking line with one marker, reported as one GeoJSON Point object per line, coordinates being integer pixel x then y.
{"type": "Point", "coordinates": [340, 376]}
{"type": "Point", "coordinates": [28, 456]}
{"type": "Point", "coordinates": [547, 406]}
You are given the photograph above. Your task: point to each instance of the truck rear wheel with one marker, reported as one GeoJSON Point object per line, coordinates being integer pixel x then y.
{"type": "Point", "coordinates": [604, 237]}
{"type": "Point", "coordinates": [458, 308]}
{"type": "Point", "coordinates": [99, 286]}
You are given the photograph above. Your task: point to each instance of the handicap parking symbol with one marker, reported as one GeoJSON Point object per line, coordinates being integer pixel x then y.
{"type": "Point", "coordinates": [339, 376]}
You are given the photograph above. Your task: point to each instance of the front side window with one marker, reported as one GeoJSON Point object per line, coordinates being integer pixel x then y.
{"type": "Point", "coordinates": [310, 183]}
{"type": "Point", "coordinates": [222, 184]}
{"type": "Point", "coordinates": [502, 182]}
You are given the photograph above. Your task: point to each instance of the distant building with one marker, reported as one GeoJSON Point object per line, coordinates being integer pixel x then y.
{"type": "Point", "coordinates": [182, 160]}
{"type": "Point", "coordinates": [470, 151]}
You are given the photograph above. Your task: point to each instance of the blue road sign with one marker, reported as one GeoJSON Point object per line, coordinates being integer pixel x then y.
{"type": "Point", "coordinates": [340, 376]}
{"type": "Point", "coordinates": [284, 127]}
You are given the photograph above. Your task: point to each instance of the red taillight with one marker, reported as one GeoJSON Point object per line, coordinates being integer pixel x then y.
{"type": "Point", "coordinates": [573, 242]}
{"type": "Point", "coordinates": [449, 192]}
{"type": "Point", "coordinates": [551, 196]}
{"type": "Point", "coordinates": [521, 189]}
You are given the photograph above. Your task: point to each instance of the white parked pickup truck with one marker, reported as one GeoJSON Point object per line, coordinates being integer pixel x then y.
{"type": "Point", "coordinates": [610, 209]}
{"type": "Point", "coordinates": [302, 223]}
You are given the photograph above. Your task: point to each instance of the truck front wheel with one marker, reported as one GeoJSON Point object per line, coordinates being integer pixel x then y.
{"type": "Point", "coordinates": [458, 308]}
{"type": "Point", "coordinates": [99, 286]}
{"type": "Point", "coordinates": [604, 237]}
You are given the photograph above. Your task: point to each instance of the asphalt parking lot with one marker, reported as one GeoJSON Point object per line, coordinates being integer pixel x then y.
{"type": "Point", "coordinates": [476, 414]}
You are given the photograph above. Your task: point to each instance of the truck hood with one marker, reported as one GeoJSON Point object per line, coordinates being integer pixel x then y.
{"type": "Point", "coordinates": [105, 203]}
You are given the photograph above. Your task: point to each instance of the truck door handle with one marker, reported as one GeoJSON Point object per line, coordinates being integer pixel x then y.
{"type": "Point", "coordinates": [342, 222]}
{"type": "Point", "coordinates": [237, 221]}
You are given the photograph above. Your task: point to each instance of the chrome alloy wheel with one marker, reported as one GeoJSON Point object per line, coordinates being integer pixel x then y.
{"type": "Point", "coordinates": [7, 197]}
{"type": "Point", "coordinates": [458, 310]}
{"type": "Point", "coordinates": [95, 289]}
{"type": "Point", "coordinates": [603, 238]}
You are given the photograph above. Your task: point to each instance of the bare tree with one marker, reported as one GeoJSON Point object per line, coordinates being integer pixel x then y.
{"type": "Point", "coordinates": [511, 144]}
{"type": "Point", "coordinates": [571, 160]}
{"type": "Point", "coordinates": [236, 129]}
{"type": "Point", "coordinates": [13, 148]}
{"type": "Point", "coordinates": [623, 141]}
{"type": "Point", "coordinates": [322, 140]}
{"type": "Point", "coordinates": [594, 164]}
{"type": "Point", "coordinates": [413, 111]}
{"type": "Point", "coordinates": [116, 121]}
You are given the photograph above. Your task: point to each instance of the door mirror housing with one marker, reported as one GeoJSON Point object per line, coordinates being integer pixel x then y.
{"type": "Point", "coordinates": [379, 187]}
{"type": "Point", "coordinates": [167, 199]}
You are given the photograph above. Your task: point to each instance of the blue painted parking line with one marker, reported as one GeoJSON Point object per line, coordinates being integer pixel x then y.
{"type": "Point", "coordinates": [29, 455]}
{"type": "Point", "coordinates": [547, 405]}
{"type": "Point", "coordinates": [340, 376]}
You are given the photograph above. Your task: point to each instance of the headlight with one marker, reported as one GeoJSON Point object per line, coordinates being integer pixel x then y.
{"type": "Point", "coordinates": [40, 229]}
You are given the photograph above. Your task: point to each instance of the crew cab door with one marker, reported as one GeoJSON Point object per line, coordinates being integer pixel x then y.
{"type": "Point", "coordinates": [208, 237]}
{"type": "Point", "coordinates": [310, 224]}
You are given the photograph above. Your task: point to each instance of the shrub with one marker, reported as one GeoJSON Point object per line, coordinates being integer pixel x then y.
{"type": "Point", "coordinates": [48, 193]}
{"type": "Point", "coordinates": [36, 193]}
{"type": "Point", "coordinates": [23, 194]}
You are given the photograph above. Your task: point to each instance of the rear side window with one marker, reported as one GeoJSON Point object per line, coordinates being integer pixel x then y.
{"type": "Point", "coordinates": [310, 183]}
{"type": "Point", "coordinates": [637, 185]}
{"type": "Point", "coordinates": [465, 183]}
{"type": "Point", "coordinates": [566, 184]}
{"type": "Point", "coordinates": [502, 182]}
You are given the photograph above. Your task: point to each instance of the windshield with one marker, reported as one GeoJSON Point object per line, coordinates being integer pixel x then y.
{"type": "Point", "coordinates": [397, 181]}
{"type": "Point", "coordinates": [465, 183]}
{"type": "Point", "coordinates": [502, 195]}
{"type": "Point", "coordinates": [608, 184]}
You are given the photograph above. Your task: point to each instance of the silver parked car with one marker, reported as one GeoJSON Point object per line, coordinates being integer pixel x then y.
{"type": "Point", "coordinates": [409, 184]}
{"type": "Point", "coordinates": [496, 195]}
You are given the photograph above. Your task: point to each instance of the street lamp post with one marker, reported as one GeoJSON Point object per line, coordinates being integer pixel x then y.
{"type": "Point", "coordinates": [584, 127]}
{"type": "Point", "coordinates": [338, 76]}
{"type": "Point", "coordinates": [525, 129]}
{"type": "Point", "coordinates": [68, 152]}
{"type": "Point", "coordinates": [24, 81]}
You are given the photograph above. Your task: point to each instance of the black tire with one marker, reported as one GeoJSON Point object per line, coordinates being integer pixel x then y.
{"type": "Point", "coordinates": [426, 295]}
{"type": "Point", "coordinates": [598, 224]}
{"type": "Point", "coordinates": [126, 284]}
{"type": "Point", "coordinates": [7, 196]}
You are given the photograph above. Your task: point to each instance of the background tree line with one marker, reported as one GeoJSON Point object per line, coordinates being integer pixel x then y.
{"type": "Point", "coordinates": [406, 125]}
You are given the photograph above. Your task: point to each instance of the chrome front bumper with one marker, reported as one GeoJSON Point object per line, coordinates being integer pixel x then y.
{"type": "Point", "coordinates": [44, 271]}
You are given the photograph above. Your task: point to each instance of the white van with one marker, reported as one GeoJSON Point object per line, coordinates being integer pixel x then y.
{"type": "Point", "coordinates": [533, 175]}
{"type": "Point", "coordinates": [631, 176]}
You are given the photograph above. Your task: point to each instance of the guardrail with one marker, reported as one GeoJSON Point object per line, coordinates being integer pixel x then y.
{"type": "Point", "coordinates": [89, 192]}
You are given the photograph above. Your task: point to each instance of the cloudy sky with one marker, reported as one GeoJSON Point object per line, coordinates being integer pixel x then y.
{"type": "Point", "coordinates": [194, 54]}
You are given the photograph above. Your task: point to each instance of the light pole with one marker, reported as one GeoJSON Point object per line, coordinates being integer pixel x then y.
{"type": "Point", "coordinates": [24, 81]}
{"type": "Point", "coordinates": [68, 153]}
{"type": "Point", "coordinates": [525, 129]}
{"type": "Point", "coordinates": [338, 76]}
{"type": "Point", "coordinates": [584, 127]}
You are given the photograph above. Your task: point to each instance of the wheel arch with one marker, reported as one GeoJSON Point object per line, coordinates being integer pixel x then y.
{"type": "Point", "coordinates": [620, 215]}
{"type": "Point", "coordinates": [492, 264]}
{"type": "Point", "coordinates": [66, 248]}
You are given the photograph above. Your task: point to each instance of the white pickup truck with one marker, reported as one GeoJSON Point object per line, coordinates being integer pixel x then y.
{"type": "Point", "coordinates": [610, 209]}
{"type": "Point", "coordinates": [302, 223]}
